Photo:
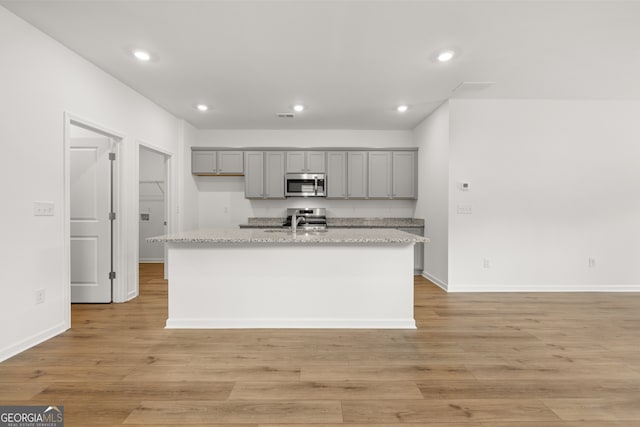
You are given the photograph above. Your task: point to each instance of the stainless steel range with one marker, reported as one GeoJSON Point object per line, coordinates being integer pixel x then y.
{"type": "Point", "coordinates": [307, 219]}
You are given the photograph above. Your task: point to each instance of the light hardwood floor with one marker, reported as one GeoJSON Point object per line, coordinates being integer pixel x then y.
{"type": "Point", "coordinates": [476, 360]}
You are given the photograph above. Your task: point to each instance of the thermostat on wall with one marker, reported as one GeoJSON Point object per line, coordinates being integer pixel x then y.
{"type": "Point", "coordinates": [465, 186]}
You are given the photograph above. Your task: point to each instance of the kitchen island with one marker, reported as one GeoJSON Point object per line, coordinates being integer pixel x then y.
{"type": "Point", "coordinates": [272, 278]}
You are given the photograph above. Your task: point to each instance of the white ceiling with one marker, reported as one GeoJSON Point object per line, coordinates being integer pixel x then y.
{"type": "Point", "coordinates": [350, 62]}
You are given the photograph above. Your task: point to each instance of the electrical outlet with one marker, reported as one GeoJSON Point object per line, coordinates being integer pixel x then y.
{"type": "Point", "coordinates": [592, 262]}
{"type": "Point", "coordinates": [486, 263]}
{"type": "Point", "coordinates": [464, 209]}
{"type": "Point", "coordinates": [40, 296]}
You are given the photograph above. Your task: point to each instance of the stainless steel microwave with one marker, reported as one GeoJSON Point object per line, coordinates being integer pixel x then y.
{"type": "Point", "coordinates": [305, 185]}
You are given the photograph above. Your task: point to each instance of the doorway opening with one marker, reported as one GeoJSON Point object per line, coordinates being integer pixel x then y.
{"type": "Point", "coordinates": [152, 203]}
{"type": "Point", "coordinates": [154, 213]}
{"type": "Point", "coordinates": [92, 202]}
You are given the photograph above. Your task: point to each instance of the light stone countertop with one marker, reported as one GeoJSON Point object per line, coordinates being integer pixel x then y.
{"type": "Point", "coordinates": [259, 236]}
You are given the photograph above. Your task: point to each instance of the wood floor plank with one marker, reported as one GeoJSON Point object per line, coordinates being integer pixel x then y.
{"type": "Point", "coordinates": [554, 371]}
{"type": "Point", "coordinates": [599, 423]}
{"type": "Point", "coordinates": [47, 374]}
{"type": "Point", "coordinates": [138, 391]}
{"type": "Point", "coordinates": [203, 425]}
{"type": "Point", "coordinates": [325, 390]}
{"type": "Point", "coordinates": [435, 424]}
{"type": "Point", "coordinates": [200, 425]}
{"type": "Point", "coordinates": [261, 412]}
{"type": "Point", "coordinates": [539, 388]}
{"type": "Point", "coordinates": [478, 410]}
{"type": "Point", "coordinates": [106, 413]}
{"type": "Point", "coordinates": [214, 373]}
{"type": "Point", "coordinates": [20, 390]}
{"type": "Point", "coordinates": [384, 372]}
{"type": "Point", "coordinates": [613, 409]}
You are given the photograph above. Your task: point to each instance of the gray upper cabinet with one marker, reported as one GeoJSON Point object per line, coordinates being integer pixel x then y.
{"type": "Point", "coordinates": [357, 172]}
{"type": "Point", "coordinates": [337, 175]}
{"type": "Point", "coordinates": [393, 175]}
{"type": "Point", "coordinates": [404, 178]}
{"type": "Point", "coordinates": [316, 161]}
{"type": "Point", "coordinates": [380, 175]}
{"type": "Point", "coordinates": [274, 175]}
{"type": "Point", "coordinates": [264, 175]}
{"type": "Point", "coordinates": [254, 175]}
{"type": "Point", "coordinates": [213, 162]}
{"type": "Point", "coordinates": [305, 161]}
{"type": "Point", "coordinates": [204, 162]}
{"type": "Point", "coordinates": [347, 175]}
{"type": "Point", "coordinates": [352, 173]}
{"type": "Point", "coordinates": [230, 162]}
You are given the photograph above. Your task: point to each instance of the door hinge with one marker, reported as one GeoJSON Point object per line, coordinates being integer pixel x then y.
{"type": "Point", "coordinates": [112, 216]}
{"type": "Point", "coordinates": [112, 275]}
{"type": "Point", "coordinates": [112, 156]}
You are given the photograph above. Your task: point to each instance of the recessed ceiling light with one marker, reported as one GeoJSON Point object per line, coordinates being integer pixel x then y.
{"type": "Point", "coordinates": [298, 108]}
{"type": "Point", "coordinates": [446, 55]}
{"type": "Point", "coordinates": [202, 107]}
{"type": "Point", "coordinates": [402, 108]}
{"type": "Point", "coordinates": [142, 55]}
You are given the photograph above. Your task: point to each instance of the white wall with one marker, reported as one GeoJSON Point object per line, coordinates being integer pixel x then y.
{"type": "Point", "coordinates": [552, 184]}
{"type": "Point", "coordinates": [188, 214]}
{"type": "Point", "coordinates": [432, 138]}
{"type": "Point", "coordinates": [304, 138]}
{"type": "Point", "coordinates": [221, 200]}
{"type": "Point", "coordinates": [40, 80]}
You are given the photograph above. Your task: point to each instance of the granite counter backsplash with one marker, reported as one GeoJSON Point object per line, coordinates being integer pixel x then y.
{"type": "Point", "coordinates": [264, 222]}
{"type": "Point", "coordinates": [375, 222]}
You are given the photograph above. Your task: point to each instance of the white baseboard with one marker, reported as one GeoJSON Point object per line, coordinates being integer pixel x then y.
{"type": "Point", "coordinates": [558, 287]}
{"type": "Point", "coordinates": [436, 281]}
{"type": "Point", "coordinates": [291, 324]}
{"type": "Point", "coordinates": [151, 261]}
{"type": "Point", "coordinates": [32, 341]}
{"type": "Point", "coordinates": [131, 295]}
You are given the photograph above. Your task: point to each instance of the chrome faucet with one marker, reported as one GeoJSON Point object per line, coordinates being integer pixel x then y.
{"type": "Point", "coordinates": [294, 222]}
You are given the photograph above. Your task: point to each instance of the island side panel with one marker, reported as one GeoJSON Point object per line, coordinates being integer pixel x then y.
{"type": "Point", "coordinates": [290, 286]}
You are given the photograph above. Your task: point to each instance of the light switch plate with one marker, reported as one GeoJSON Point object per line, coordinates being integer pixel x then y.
{"type": "Point", "coordinates": [43, 208]}
{"type": "Point", "coordinates": [464, 209]}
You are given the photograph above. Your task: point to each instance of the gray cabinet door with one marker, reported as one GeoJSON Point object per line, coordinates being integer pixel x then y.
{"type": "Point", "coordinates": [203, 162]}
{"type": "Point", "coordinates": [315, 161]}
{"type": "Point", "coordinates": [274, 175]}
{"type": "Point", "coordinates": [230, 162]}
{"type": "Point", "coordinates": [380, 175]}
{"type": "Point", "coordinates": [336, 175]}
{"type": "Point", "coordinates": [305, 161]}
{"type": "Point", "coordinates": [254, 174]}
{"type": "Point", "coordinates": [404, 177]}
{"type": "Point", "coordinates": [356, 175]}
{"type": "Point", "coordinates": [296, 161]}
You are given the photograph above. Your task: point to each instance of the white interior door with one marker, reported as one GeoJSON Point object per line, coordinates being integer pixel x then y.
{"type": "Point", "coordinates": [91, 239]}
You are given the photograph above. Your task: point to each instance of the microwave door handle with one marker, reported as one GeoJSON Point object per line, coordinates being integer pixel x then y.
{"type": "Point", "coordinates": [315, 185]}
